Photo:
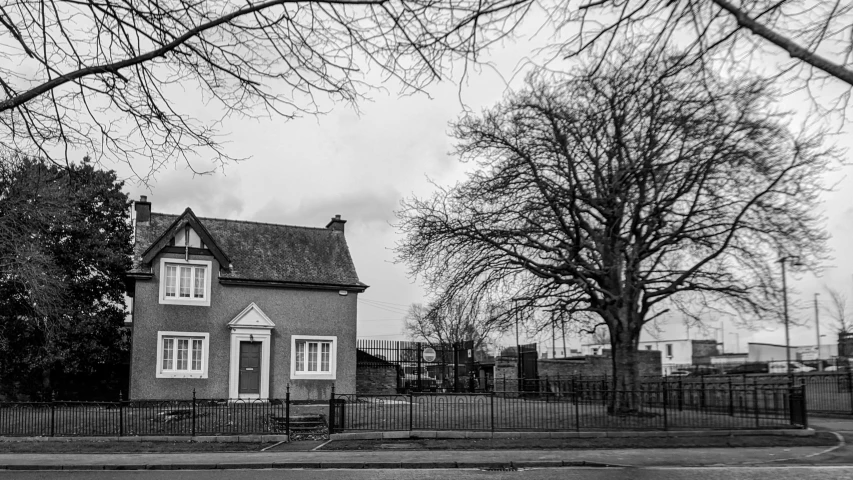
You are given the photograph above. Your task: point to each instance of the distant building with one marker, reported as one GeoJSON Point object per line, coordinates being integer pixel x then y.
{"type": "Point", "coordinates": [549, 352]}
{"type": "Point", "coordinates": [727, 359]}
{"type": "Point", "coordinates": [674, 353]}
{"type": "Point", "coordinates": [768, 352]}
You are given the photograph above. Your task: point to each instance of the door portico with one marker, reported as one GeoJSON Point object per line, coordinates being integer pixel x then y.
{"type": "Point", "coordinates": [249, 372]}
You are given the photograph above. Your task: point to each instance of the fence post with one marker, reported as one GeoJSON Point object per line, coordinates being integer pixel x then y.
{"type": "Point", "coordinates": [193, 433]}
{"type": "Point", "coordinates": [804, 410]}
{"type": "Point", "coordinates": [755, 400]}
{"type": "Point", "coordinates": [850, 387]}
{"type": "Point", "coordinates": [287, 411]}
{"type": "Point", "coordinates": [420, 366]}
{"type": "Point", "coordinates": [332, 411]}
{"type": "Point", "coordinates": [120, 415]}
{"type": "Point", "coordinates": [411, 410]}
{"type": "Point", "coordinates": [52, 412]}
{"type": "Point", "coordinates": [492, 406]}
{"type": "Point", "coordinates": [576, 401]}
{"type": "Point", "coordinates": [680, 394]}
{"type": "Point", "coordinates": [731, 400]}
{"type": "Point", "coordinates": [702, 397]}
{"type": "Point", "coordinates": [665, 402]}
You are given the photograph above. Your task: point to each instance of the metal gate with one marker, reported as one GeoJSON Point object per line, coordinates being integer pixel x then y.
{"type": "Point", "coordinates": [447, 372]}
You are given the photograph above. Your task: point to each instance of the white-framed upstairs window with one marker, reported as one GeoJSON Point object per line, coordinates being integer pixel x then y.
{"type": "Point", "coordinates": [182, 354]}
{"type": "Point", "coordinates": [185, 282]}
{"type": "Point", "coordinates": [313, 357]}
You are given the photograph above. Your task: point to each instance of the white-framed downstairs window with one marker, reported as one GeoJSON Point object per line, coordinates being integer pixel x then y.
{"type": "Point", "coordinates": [185, 282]}
{"type": "Point", "coordinates": [182, 354]}
{"type": "Point", "coordinates": [313, 357]}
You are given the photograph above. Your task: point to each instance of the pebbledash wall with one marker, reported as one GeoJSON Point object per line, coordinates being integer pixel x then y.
{"type": "Point", "coordinates": [294, 312]}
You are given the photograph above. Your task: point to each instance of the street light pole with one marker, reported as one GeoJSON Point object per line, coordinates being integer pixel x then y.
{"type": "Point", "coordinates": [785, 307]}
{"type": "Point", "coordinates": [817, 329]}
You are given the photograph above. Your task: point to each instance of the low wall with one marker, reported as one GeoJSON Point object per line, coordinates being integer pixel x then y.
{"type": "Point", "coordinates": [380, 380]}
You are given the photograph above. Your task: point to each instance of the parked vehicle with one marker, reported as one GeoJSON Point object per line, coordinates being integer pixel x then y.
{"type": "Point", "coordinates": [795, 367]}
{"type": "Point", "coordinates": [409, 380]}
{"type": "Point", "coordinates": [748, 368]}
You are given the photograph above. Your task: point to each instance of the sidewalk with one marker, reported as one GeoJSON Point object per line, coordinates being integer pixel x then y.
{"type": "Point", "coordinates": [410, 459]}
{"type": "Point", "coordinates": [394, 458]}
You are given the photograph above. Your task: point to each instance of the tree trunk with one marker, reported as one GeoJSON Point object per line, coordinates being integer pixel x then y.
{"type": "Point", "coordinates": [624, 386]}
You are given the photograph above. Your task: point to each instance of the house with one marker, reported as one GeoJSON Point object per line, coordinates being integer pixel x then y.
{"type": "Point", "coordinates": [236, 309]}
{"type": "Point", "coordinates": [675, 354]}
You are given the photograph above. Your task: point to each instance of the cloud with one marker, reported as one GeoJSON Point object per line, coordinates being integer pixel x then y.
{"type": "Point", "coordinates": [216, 195]}
{"type": "Point", "coordinates": [363, 209]}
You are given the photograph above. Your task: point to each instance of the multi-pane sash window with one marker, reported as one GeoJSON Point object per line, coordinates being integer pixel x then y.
{"type": "Point", "coordinates": [182, 354]}
{"type": "Point", "coordinates": [185, 281]}
{"type": "Point", "coordinates": [313, 356]}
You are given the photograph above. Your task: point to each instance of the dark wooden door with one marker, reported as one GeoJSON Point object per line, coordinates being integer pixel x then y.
{"type": "Point", "coordinates": [250, 367]}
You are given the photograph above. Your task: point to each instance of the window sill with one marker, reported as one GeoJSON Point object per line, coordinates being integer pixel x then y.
{"type": "Point", "coordinates": [313, 376]}
{"type": "Point", "coordinates": [202, 302]}
{"type": "Point", "coordinates": [198, 375]}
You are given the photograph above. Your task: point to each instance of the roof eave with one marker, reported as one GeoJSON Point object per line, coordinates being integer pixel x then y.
{"type": "Point", "coordinates": [251, 282]}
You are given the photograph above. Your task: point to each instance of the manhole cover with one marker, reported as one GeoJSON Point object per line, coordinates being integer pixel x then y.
{"type": "Point", "coordinates": [399, 445]}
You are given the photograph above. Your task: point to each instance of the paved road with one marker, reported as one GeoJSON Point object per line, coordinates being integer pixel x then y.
{"type": "Point", "coordinates": [705, 473]}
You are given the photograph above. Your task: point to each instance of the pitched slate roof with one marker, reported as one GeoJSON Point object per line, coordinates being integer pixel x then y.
{"type": "Point", "coordinates": [262, 251]}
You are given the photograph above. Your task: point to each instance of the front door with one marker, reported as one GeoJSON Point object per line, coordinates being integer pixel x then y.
{"type": "Point", "coordinates": [250, 368]}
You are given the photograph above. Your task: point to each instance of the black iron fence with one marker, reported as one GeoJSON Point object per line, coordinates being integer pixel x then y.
{"type": "Point", "coordinates": [827, 392]}
{"type": "Point", "coordinates": [189, 417]}
{"type": "Point", "coordinates": [580, 407]}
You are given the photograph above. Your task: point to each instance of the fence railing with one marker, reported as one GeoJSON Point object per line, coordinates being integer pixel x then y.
{"type": "Point", "coordinates": [579, 408]}
{"type": "Point", "coordinates": [194, 416]}
{"type": "Point", "coordinates": [827, 392]}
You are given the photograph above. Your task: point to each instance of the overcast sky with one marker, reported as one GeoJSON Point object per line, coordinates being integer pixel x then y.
{"type": "Point", "coordinates": [302, 172]}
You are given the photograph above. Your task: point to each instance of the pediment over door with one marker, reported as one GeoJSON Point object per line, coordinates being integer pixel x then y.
{"type": "Point", "coordinates": [251, 317]}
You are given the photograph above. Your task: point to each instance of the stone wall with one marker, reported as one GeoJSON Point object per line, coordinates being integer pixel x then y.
{"type": "Point", "coordinates": [378, 380]}
{"type": "Point", "coordinates": [506, 372]}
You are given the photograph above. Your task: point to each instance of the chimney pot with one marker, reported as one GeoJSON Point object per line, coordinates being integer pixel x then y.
{"type": "Point", "coordinates": [143, 209]}
{"type": "Point", "coordinates": [336, 224]}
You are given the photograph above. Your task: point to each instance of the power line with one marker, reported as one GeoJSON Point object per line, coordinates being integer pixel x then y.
{"type": "Point", "coordinates": [380, 301]}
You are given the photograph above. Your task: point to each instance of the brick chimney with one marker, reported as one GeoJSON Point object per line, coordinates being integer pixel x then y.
{"type": "Point", "coordinates": [143, 209]}
{"type": "Point", "coordinates": [336, 223]}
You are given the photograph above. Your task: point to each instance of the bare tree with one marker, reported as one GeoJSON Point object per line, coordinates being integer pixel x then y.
{"type": "Point", "coordinates": [114, 77]}
{"type": "Point", "coordinates": [804, 42]}
{"type": "Point", "coordinates": [446, 322]}
{"type": "Point", "coordinates": [837, 310]}
{"type": "Point", "coordinates": [624, 189]}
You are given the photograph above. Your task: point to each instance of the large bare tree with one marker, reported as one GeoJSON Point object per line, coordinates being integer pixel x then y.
{"type": "Point", "coordinates": [126, 79]}
{"type": "Point", "coordinates": [625, 189]}
{"type": "Point", "coordinates": [448, 321]}
{"type": "Point", "coordinates": [838, 310]}
{"type": "Point", "coordinates": [805, 42]}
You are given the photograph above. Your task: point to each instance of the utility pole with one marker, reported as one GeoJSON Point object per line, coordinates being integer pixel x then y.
{"type": "Point", "coordinates": [817, 330]}
{"type": "Point", "coordinates": [553, 337]}
{"type": "Point", "coordinates": [563, 327]}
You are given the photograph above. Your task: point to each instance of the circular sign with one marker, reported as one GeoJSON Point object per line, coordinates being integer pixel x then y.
{"type": "Point", "coordinates": [429, 354]}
